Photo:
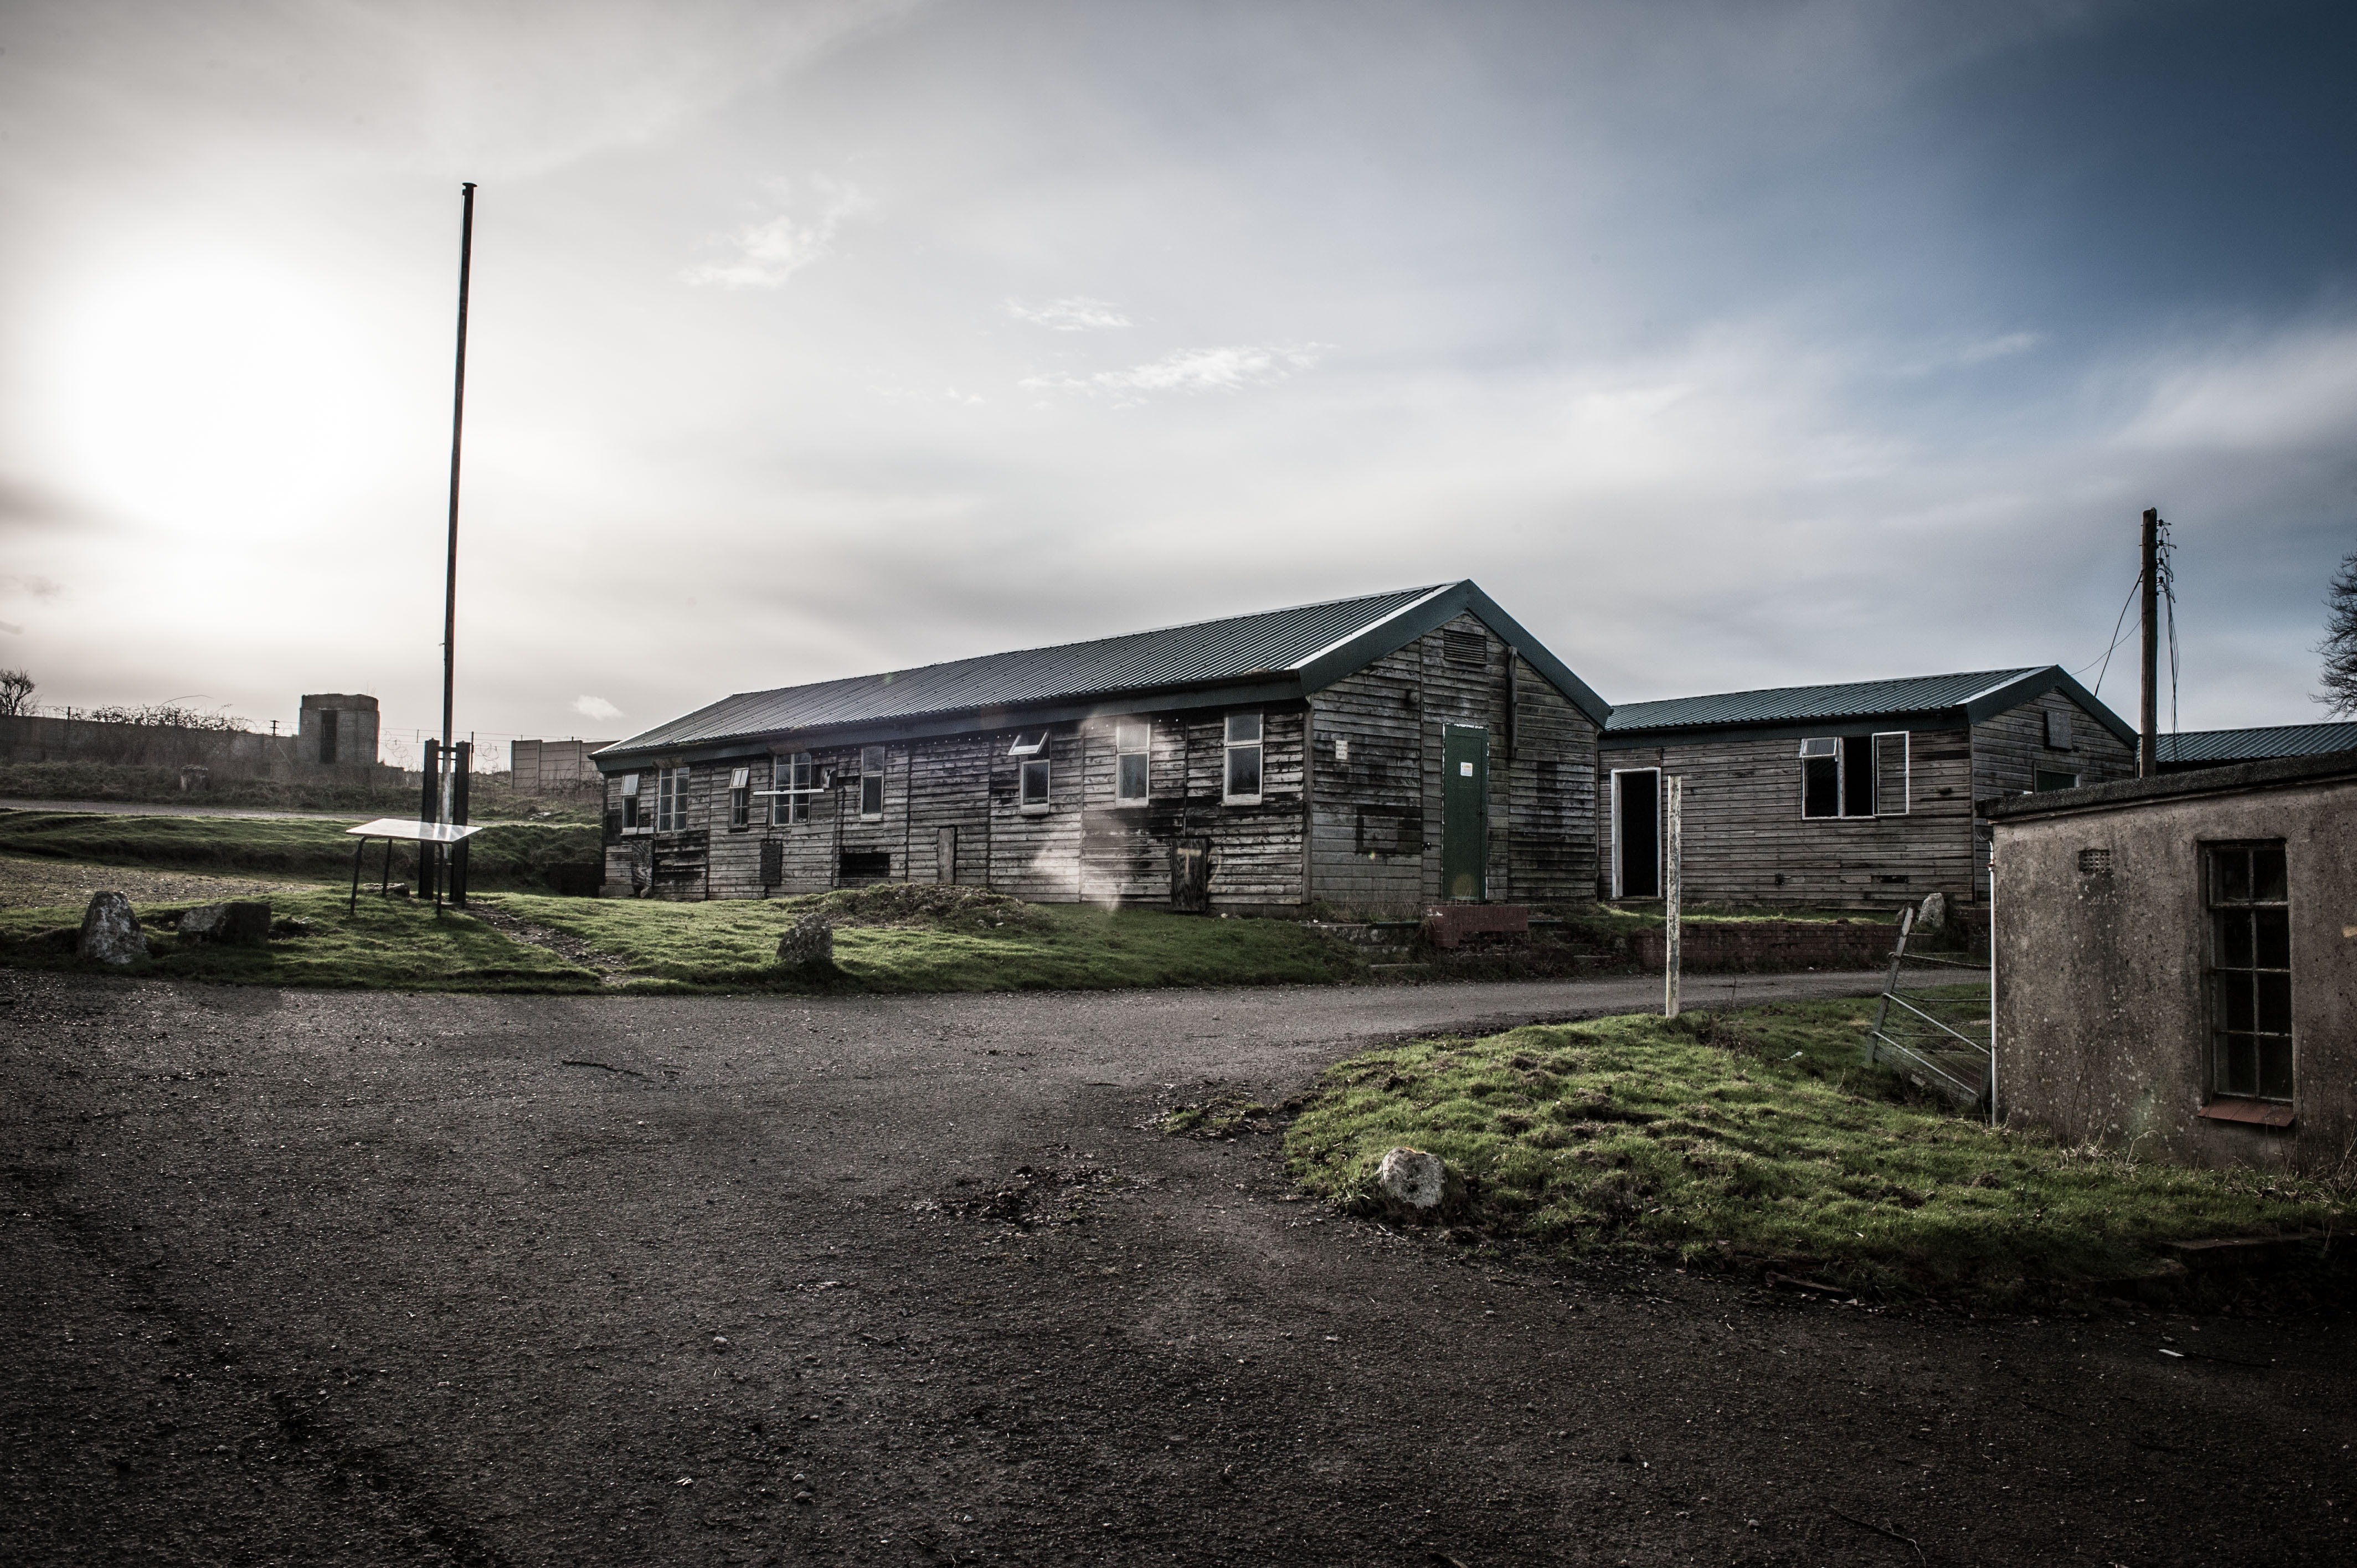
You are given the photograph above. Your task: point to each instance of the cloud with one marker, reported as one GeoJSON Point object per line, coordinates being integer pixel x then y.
{"type": "Point", "coordinates": [590, 707]}
{"type": "Point", "coordinates": [12, 628]}
{"type": "Point", "coordinates": [2295, 392]}
{"type": "Point", "coordinates": [768, 253]}
{"type": "Point", "coordinates": [1077, 313]}
{"type": "Point", "coordinates": [2001, 347]}
{"type": "Point", "coordinates": [1194, 371]}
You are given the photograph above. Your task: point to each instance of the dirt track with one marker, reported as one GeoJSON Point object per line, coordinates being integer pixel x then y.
{"type": "Point", "coordinates": [325, 1279]}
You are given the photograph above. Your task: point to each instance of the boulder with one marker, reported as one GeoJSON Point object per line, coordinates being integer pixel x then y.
{"type": "Point", "coordinates": [1934, 914]}
{"type": "Point", "coordinates": [237, 924]}
{"type": "Point", "coordinates": [1417, 1184]}
{"type": "Point", "coordinates": [809, 943]}
{"type": "Point", "coordinates": [110, 931]}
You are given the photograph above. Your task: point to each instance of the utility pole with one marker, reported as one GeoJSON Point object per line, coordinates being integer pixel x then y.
{"type": "Point", "coordinates": [1673, 955]}
{"type": "Point", "coordinates": [2149, 748]}
{"type": "Point", "coordinates": [457, 426]}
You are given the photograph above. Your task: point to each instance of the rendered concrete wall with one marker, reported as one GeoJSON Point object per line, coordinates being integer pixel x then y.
{"type": "Point", "coordinates": [2102, 1024]}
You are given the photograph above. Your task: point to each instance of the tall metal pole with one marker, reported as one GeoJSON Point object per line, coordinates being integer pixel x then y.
{"type": "Point", "coordinates": [458, 425]}
{"type": "Point", "coordinates": [2148, 752]}
{"type": "Point", "coordinates": [1673, 953]}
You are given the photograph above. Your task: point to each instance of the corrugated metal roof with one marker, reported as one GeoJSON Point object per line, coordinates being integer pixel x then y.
{"type": "Point", "coordinates": [1789, 704]}
{"type": "Point", "coordinates": [2222, 745]}
{"type": "Point", "coordinates": [1203, 653]}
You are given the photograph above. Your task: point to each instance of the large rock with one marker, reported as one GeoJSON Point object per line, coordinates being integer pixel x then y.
{"type": "Point", "coordinates": [237, 924]}
{"type": "Point", "coordinates": [1418, 1185]}
{"type": "Point", "coordinates": [809, 943]}
{"type": "Point", "coordinates": [110, 931]}
{"type": "Point", "coordinates": [1934, 914]}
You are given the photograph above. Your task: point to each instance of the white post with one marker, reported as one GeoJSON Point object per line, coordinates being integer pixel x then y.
{"type": "Point", "coordinates": [1669, 954]}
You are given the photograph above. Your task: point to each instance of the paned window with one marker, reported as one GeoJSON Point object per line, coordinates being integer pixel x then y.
{"type": "Point", "coordinates": [2250, 972]}
{"type": "Point", "coordinates": [1821, 777]}
{"type": "Point", "coordinates": [671, 799]}
{"type": "Point", "coordinates": [740, 798]}
{"type": "Point", "coordinates": [1244, 756]}
{"type": "Point", "coordinates": [1132, 741]}
{"type": "Point", "coordinates": [630, 822]}
{"type": "Point", "coordinates": [792, 783]}
{"type": "Point", "coordinates": [1035, 784]}
{"type": "Point", "coordinates": [1854, 775]}
{"type": "Point", "coordinates": [871, 781]}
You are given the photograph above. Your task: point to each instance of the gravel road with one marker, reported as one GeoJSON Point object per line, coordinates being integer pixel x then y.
{"type": "Point", "coordinates": [303, 1278]}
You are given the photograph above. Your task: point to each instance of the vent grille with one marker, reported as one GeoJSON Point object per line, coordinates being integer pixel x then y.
{"type": "Point", "coordinates": [2095, 863]}
{"type": "Point", "coordinates": [1459, 647]}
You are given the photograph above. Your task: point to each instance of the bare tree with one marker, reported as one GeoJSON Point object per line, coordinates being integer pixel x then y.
{"type": "Point", "coordinates": [2340, 644]}
{"type": "Point", "coordinates": [16, 692]}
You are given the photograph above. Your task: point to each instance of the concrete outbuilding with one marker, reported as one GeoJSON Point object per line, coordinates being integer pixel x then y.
{"type": "Point", "coordinates": [2176, 964]}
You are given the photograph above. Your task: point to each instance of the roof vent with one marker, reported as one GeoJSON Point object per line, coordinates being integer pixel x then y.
{"type": "Point", "coordinates": [1462, 647]}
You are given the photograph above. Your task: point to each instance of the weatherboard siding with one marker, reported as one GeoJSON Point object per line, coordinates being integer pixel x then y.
{"type": "Point", "coordinates": [2008, 750]}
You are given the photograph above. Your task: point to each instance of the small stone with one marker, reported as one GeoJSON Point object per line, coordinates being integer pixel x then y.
{"type": "Point", "coordinates": [110, 931]}
{"type": "Point", "coordinates": [1418, 1184]}
{"type": "Point", "coordinates": [809, 944]}
{"type": "Point", "coordinates": [239, 924]}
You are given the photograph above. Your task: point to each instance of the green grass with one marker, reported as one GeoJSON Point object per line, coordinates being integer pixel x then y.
{"type": "Point", "coordinates": [993, 943]}
{"type": "Point", "coordinates": [389, 943]}
{"type": "Point", "coordinates": [508, 854]}
{"type": "Point", "coordinates": [1760, 1140]}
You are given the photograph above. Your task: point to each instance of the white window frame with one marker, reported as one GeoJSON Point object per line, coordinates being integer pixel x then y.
{"type": "Point", "coordinates": [1883, 807]}
{"type": "Point", "coordinates": [1807, 755]}
{"type": "Point", "coordinates": [792, 781]}
{"type": "Point", "coordinates": [740, 799]}
{"type": "Point", "coordinates": [1027, 744]}
{"type": "Point", "coordinates": [630, 822]}
{"type": "Point", "coordinates": [1256, 743]}
{"type": "Point", "coordinates": [1027, 769]}
{"type": "Point", "coordinates": [1133, 737]}
{"type": "Point", "coordinates": [872, 754]}
{"type": "Point", "coordinates": [671, 799]}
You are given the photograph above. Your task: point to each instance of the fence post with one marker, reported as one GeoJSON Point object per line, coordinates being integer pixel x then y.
{"type": "Point", "coordinates": [1672, 956]}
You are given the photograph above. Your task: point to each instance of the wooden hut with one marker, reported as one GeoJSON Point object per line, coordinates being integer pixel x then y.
{"type": "Point", "coordinates": [1863, 794]}
{"type": "Point", "coordinates": [1371, 754]}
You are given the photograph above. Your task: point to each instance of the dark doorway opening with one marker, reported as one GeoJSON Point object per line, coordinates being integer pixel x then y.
{"type": "Point", "coordinates": [1637, 833]}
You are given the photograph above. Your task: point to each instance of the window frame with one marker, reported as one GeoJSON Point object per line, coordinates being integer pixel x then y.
{"type": "Point", "coordinates": [671, 799]}
{"type": "Point", "coordinates": [789, 801]}
{"type": "Point", "coordinates": [740, 799]}
{"type": "Point", "coordinates": [882, 761]}
{"type": "Point", "coordinates": [1043, 770]}
{"type": "Point", "coordinates": [1231, 746]}
{"type": "Point", "coordinates": [2037, 773]}
{"type": "Point", "coordinates": [1834, 755]}
{"type": "Point", "coordinates": [2218, 908]}
{"type": "Point", "coordinates": [631, 822]}
{"type": "Point", "coordinates": [1125, 731]}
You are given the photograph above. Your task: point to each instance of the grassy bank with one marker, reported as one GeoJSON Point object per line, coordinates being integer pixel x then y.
{"type": "Point", "coordinates": [161, 786]}
{"type": "Point", "coordinates": [1759, 1140]}
{"type": "Point", "coordinates": [386, 943]}
{"type": "Point", "coordinates": [887, 938]}
{"type": "Point", "coordinates": [504, 855]}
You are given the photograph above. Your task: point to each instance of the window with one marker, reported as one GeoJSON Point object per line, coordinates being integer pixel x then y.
{"type": "Point", "coordinates": [1821, 777]}
{"type": "Point", "coordinates": [630, 822]}
{"type": "Point", "coordinates": [793, 785]}
{"type": "Point", "coordinates": [2250, 973]}
{"type": "Point", "coordinates": [740, 799]}
{"type": "Point", "coordinates": [1890, 774]}
{"type": "Point", "coordinates": [1858, 775]}
{"type": "Point", "coordinates": [2041, 780]}
{"type": "Point", "coordinates": [855, 865]}
{"type": "Point", "coordinates": [1133, 743]}
{"type": "Point", "coordinates": [1243, 776]}
{"type": "Point", "coordinates": [1028, 745]}
{"type": "Point", "coordinates": [1034, 794]}
{"type": "Point", "coordinates": [671, 799]}
{"type": "Point", "coordinates": [871, 781]}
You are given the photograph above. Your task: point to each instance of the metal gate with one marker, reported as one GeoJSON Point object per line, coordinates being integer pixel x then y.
{"type": "Point", "coordinates": [1936, 1031]}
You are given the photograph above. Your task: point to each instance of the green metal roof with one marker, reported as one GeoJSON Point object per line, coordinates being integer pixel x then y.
{"type": "Point", "coordinates": [2213, 747]}
{"type": "Point", "coordinates": [1271, 655]}
{"type": "Point", "coordinates": [1979, 693]}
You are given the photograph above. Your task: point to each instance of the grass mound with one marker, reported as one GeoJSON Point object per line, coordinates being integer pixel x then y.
{"type": "Point", "coordinates": [919, 904]}
{"type": "Point", "coordinates": [1760, 1140]}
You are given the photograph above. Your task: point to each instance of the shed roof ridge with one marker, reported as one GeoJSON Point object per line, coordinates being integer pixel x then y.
{"type": "Point", "coordinates": [2007, 677]}
{"type": "Point", "coordinates": [1422, 600]}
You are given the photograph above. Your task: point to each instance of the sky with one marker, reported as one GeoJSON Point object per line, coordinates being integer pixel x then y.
{"type": "Point", "coordinates": [1726, 346]}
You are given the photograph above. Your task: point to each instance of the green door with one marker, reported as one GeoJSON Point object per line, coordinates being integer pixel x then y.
{"type": "Point", "coordinates": [1464, 812]}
